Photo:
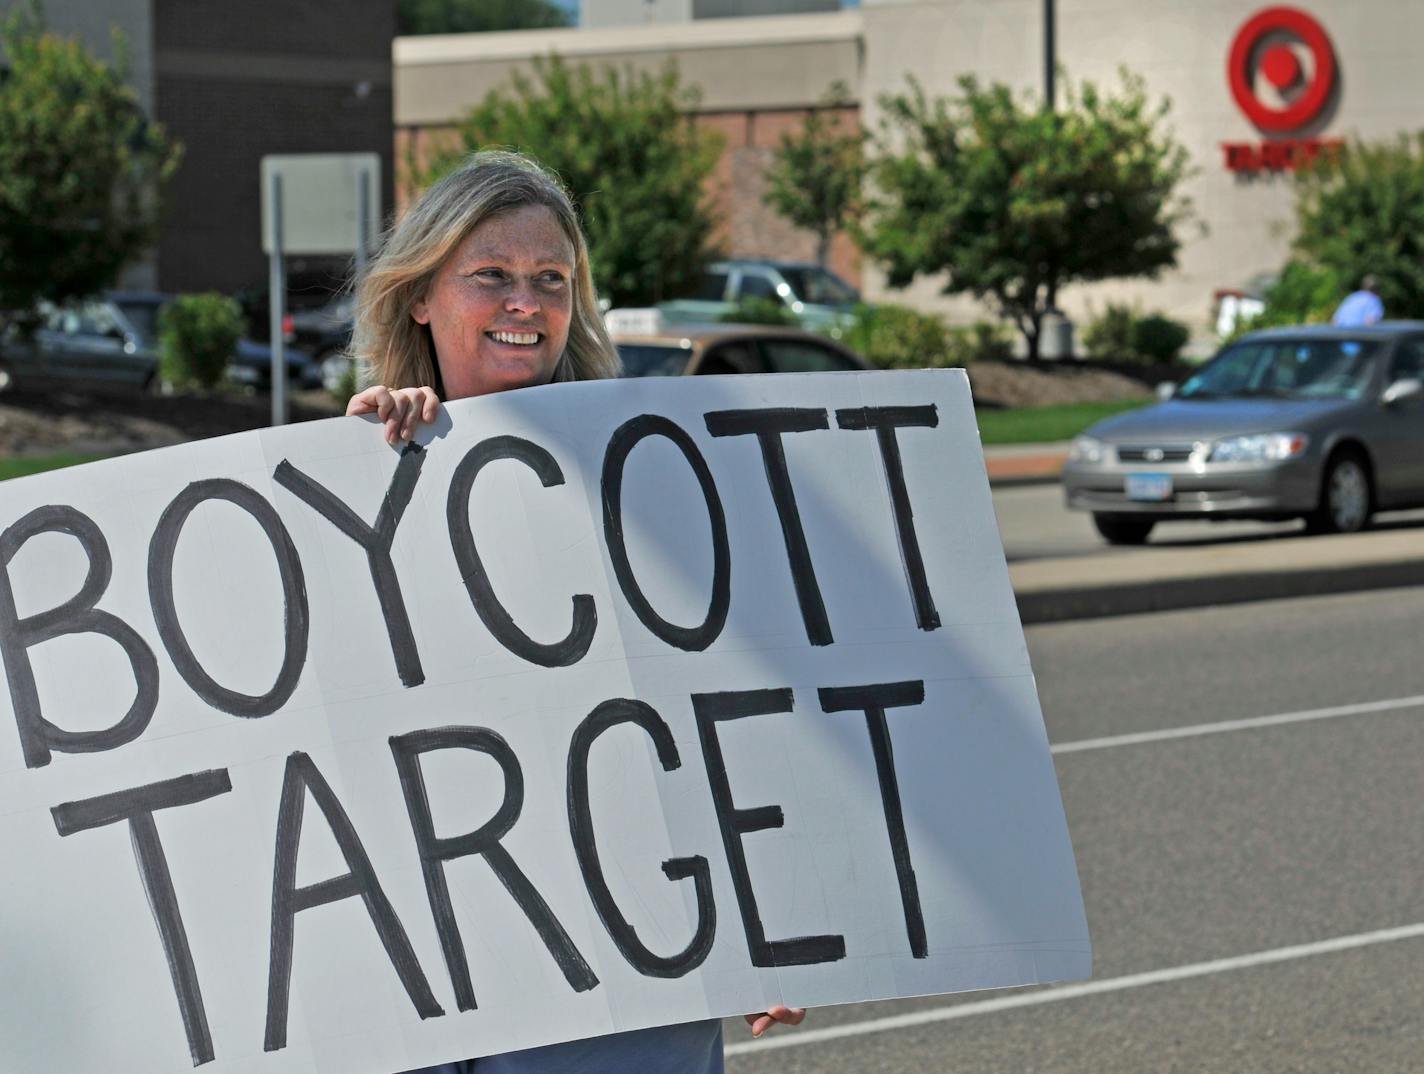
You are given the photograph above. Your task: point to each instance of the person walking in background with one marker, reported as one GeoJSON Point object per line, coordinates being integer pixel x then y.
{"type": "Point", "coordinates": [1360, 307]}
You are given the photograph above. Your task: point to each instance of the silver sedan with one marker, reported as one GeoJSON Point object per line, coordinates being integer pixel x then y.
{"type": "Point", "coordinates": [1321, 423]}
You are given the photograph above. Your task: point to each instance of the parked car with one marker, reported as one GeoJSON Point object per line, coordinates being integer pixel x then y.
{"type": "Point", "coordinates": [325, 333]}
{"type": "Point", "coordinates": [251, 362]}
{"type": "Point", "coordinates": [687, 350]}
{"type": "Point", "coordinates": [309, 287]}
{"type": "Point", "coordinates": [84, 341]}
{"type": "Point", "coordinates": [819, 299]}
{"type": "Point", "coordinates": [1322, 423]}
{"type": "Point", "coordinates": [113, 339]}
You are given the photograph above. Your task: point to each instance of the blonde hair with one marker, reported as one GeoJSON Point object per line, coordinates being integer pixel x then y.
{"type": "Point", "coordinates": [398, 351]}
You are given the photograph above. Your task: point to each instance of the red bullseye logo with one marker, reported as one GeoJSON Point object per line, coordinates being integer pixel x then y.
{"type": "Point", "coordinates": [1269, 44]}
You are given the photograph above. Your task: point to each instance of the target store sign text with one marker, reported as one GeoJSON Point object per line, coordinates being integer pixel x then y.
{"type": "Point", "coordinates": [1283, 74]}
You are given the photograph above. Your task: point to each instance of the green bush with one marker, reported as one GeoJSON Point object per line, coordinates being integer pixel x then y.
{"type": "Point", "coordinates": [348, 385]}
{"type": "Point", "coordinates": [1303, 294]}
{"type": "Point", "coordinates": [982, 341]}
{"type": "Point", "coordinates": [1123, 334]}
{"type": "Point", "coordinates": [897, 337]}
{"type": "Point", "coordinates": [1109, 335]}
{"type": "Point", "coordinates": [1158, 338]}
{"type": "Point", "coordinates": [196, 337]}
{"type": "Point", "coordinates": [760, 311]}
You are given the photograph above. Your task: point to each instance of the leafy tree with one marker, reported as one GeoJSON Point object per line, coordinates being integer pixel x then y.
{"type": "Point", "coordinates": [816, 173]}
{"type": "Point", "coordinates": [632, 158]}
{"type": "Point", "coordinates": [478, 16]}
{"type": "Point", "coordinates": [1303, 294]}
{"type": "Point", "coordinates": [1011, 202]}
{"type": "Point", "coordinates": [81, 169]}
{"type": "Point", "coordinates": [1361, 213]}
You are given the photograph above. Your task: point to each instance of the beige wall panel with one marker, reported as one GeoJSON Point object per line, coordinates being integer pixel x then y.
{"type": "Point", "coordinates": [1181, 51]}
{"type": "Point", "coordinates": [731, 78]}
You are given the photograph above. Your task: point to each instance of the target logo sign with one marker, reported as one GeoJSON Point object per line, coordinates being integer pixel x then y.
{"type": "Point", "coordinates": [1271, 43]}
{"type": "Point", "coordinates": [1270, 48]}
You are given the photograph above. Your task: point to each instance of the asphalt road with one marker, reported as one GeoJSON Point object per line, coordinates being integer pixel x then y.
{"type": "Point", "coordinates": [1289, 849]}
{"type": "Point", "coordinates": [1035, 525]}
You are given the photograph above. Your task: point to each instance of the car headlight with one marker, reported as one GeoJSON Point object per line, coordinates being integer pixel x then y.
{"type": "Point", "coordinates": [1087, 449]}
{"type": "Point", "coordinates": [1261, 447]}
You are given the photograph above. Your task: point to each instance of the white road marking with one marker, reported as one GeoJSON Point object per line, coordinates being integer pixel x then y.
{"type": "Point", "coordinates": [801, 1038]}
{"type": "Point", "coordinates": [1143, 737]}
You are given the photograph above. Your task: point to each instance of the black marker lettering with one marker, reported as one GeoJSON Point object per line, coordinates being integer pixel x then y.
{"type": "Point", "coordinates": [295, 613]}
{"type": "Point", "coordinates": [712, 709]}
{"type": "Point", "coordinates": [571, 649]}
{"type": "Point", "coordinates": [885, 420]}
{"type": "Point", "coordinates": [137, 806]}
{"type": "Point", "coordinates": [435, 852]}
{"type": "Point", "coordinates": [77, 615]}
{"type": "Point", "coordinates": [873, 701]}
{"type": "Point", "coordinates": [608, 715]}
{"type": "Point", "coordinates": [376, 541]}
{"type": "Point", "coordinates": [768, 426]}
{"type": "Point", "coordinates": [288, 900]}
{"type": "Point", "coordinates": [627, 437]}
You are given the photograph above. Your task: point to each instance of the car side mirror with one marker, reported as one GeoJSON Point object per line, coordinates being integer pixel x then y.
{"type": "Point", "coordinates": [1165, 391]}
{"type": "Point", "coordinates": [1401, 390]}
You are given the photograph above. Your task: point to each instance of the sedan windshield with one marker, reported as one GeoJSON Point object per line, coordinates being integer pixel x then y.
{"type": "Point", "coordinates": [819, 287]}
{"type": "Point", "coordinates": [143, 316]}
{"type": "Point", "coordinates": [1291, 368]}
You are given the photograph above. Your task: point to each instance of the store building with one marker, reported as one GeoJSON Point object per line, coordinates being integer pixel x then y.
{"type": "Point", "coordinates": [1254, 90]}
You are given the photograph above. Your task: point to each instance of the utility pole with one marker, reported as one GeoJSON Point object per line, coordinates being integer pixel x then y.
{"type": "Point", "coordinates": [1048, 58]}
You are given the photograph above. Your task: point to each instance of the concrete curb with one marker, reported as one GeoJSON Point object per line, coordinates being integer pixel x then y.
{"type": "Point", "coordinates": [1025, 464]}
{"type": "Point", "coordinates": [1002, 481]}
{"type": "Point", "coordinates": [1091, 587]}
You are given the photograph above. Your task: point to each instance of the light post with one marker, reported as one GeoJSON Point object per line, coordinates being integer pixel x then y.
{"type": "Point", "coordinates": [1048, 58]}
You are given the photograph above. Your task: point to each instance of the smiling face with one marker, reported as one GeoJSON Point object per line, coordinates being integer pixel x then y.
{"type": "Point", "coordinates": [500, 305]}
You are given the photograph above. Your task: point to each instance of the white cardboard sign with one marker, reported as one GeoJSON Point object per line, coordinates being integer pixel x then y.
{"type": "Point", "coordinates": [615, 704]}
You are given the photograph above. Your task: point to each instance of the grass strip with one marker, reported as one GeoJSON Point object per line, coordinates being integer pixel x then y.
{"type": "Point", "coordinates": [1047, 424]}
{"type": "Point", "coordinates": [40, 463]}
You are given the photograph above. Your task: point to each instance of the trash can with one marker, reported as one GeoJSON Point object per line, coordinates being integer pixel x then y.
{"type": "Point", "coordinates": [1055, 336]}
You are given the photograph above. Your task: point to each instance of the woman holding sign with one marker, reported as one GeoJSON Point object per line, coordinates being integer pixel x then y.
{"type": "Point", "coordinates": [484, 286]}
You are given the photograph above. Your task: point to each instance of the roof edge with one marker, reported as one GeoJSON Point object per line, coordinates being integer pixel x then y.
{"type": "Point", "coordinates": [699, 34]}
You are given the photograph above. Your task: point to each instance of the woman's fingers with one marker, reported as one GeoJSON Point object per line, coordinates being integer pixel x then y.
{"type": "Point", "coordinates": [367, 400]}
{"type": "Point", "coordinates": [431, 408]}
{"type": "Point", "coordinates": [399, 410]}
{"type": "Point", "coordinates": [761, 1022]}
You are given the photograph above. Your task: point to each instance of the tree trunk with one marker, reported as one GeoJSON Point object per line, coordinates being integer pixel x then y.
{"type": "Point", "coordinates": [823, 249]}
{"type": "Point", "coordinates": [1033, 335]}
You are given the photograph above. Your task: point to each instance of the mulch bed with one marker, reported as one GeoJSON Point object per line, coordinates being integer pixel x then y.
{"type": "Point", "coordinates": [1018, 384]}
{"type": "Point", "coordinates": [105, 421]}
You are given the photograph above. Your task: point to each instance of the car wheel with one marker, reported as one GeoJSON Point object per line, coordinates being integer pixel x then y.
{"type": "Point", "coordinates": [1118, 530]}
{"type": "Point", "coordinates": [1346, 498]}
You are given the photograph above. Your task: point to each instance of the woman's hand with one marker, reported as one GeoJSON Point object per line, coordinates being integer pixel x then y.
{"type": "Point", "coordinates": [399, 409]}
{"type": "Point", "coordinates": [790, 1016]}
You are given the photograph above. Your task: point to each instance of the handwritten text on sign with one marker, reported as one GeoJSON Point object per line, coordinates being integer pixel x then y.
{"type": "Point", "coordinates": [605, 706]}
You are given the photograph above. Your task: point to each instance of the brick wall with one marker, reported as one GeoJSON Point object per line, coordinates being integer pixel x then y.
{"type": "Point", "coordinates": [748, 226]}
{"type": "Point", "coordinates": [238, 81]}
